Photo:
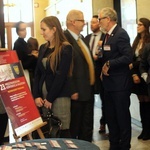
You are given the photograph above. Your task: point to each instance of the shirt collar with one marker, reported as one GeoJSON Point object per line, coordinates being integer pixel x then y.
{"type": "Point", "coordinates": [111, 30]}
{"type": "Point", "coordinates": [98, 33]}
{"type": "Point", "coordinates": [75, 36]}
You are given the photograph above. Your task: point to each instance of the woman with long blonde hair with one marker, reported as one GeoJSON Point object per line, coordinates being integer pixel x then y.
{"type": "Point", "coordinates": [54, 68]}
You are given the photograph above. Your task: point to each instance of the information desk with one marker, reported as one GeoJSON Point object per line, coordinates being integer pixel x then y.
{"type": "Point", "coordinates": [53, 144]}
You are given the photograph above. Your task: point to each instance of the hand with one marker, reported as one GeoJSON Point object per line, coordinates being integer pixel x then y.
{"type": "Point", "coordinates": [136, 79]}
{"type": "Point", "coordinates": [105, 69]}
{"type": "Point", "coordinates": [75, 96]}
{"type": "Point", "coordinates": [130, 66]}
{"type": "Point", "coordinates": [100, 43]}
{"type": "Point", "coordinates": [39, 102]}
{"type": "Point", "coordinates": [47, 104]}
{"type": "Point", "coordinates": [95, 57]}
{"type": "Point", "coordinates": [101, 76]}
{"type": "Point", "coordinates": [35, 53]}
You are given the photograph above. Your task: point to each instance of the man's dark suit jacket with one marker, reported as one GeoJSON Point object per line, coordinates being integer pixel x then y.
{"type": "Point", "coordinates": [80, 82]}
{"type": "Point", "coordinates": [28, 61]}
{"type": "Point", "coordinates": [98, 67]}
{"type": "Point", "coordinates": [98, 62]}
{"type": "Point", "coordinates": [118, 52]}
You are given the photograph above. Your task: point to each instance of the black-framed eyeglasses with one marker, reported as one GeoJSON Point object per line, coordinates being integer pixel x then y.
{"type": "Point", "coordinates": [99, 19]}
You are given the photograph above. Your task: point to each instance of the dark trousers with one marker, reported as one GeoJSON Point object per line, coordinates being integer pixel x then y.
{"type": "Point", "coordinates": [101, 90]}
{"type": "Point", "coordinates": [145, 119]}
{"type": "Point", "coordinates": [81, 126]}
{"type": "Point", "coordinates": [3, 120]}
{"type": "Point", "coordinates": [118, 119]}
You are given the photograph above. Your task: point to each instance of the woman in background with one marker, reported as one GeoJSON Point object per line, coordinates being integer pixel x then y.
{"type": "Point", "coordinates": [33, 46]}
{"type": "Point", "coordinates": [139, 85]}
{"type": "Point", "coordinates": [20, 45]}
{"type": "Point", "coordinates": [145, 74]}
{"type": "Point", "coordinates": [27, 59]}
{"type": "Point", "coordinates": [54, 67]}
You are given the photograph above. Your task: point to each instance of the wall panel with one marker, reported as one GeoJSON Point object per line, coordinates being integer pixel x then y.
{"type": "Point", "coordinates": [143, 7]}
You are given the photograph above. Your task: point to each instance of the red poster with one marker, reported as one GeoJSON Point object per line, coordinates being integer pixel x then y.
{"type": "Point", "coordinates": [16, 95]}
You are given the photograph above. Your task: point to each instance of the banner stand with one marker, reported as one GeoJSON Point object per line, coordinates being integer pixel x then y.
{"type": "Point", "coordinates": [17, 98]}
{"type": "Point", "coordinates": [29, 133]}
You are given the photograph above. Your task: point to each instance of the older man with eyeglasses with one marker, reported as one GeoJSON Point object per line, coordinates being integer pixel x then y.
{"type": "Point", "coordinates": [82, 80]}
{"type": "Point", "coordinates": [117, 80]}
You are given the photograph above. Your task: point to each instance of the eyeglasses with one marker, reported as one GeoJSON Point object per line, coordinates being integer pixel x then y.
{"type": "Point", "coordinates": [99, 19]}
{"type": "Point", "coordinates": [139, 24]}
{"type": "Point", "coordinates": [80, 20]}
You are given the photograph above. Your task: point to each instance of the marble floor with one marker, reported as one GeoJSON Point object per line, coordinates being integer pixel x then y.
{"type": "Point", "coordinates": [101, 140]}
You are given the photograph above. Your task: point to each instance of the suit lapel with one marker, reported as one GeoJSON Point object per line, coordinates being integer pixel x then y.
{"type": "Point", "coordinates": [113, 33]}
{"type": "Point", "coordinates": [73, 42]}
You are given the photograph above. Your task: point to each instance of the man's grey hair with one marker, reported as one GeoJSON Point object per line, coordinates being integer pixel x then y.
{"type": "Point", "coordinates": [109, 12]}
{"type": "Point", "coordinates": [74, 14]}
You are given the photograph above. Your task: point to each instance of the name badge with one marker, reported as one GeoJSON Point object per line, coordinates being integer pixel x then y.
{"type": "Point", "coordinates": [107, 48]}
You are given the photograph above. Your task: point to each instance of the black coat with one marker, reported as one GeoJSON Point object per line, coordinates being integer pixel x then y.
{"type": "Point", "coordinates": [117, 50]}
{"type": "Point", "coordinates": [57, 84]}
{"type": "Point", "coordinates": [28, 61]}
{"type": "Point", "coordinates": [145, 65]}
{"type": "Point", "coordinates": [140, 88]}
{"type": "Point", "coordinates": [98, 62]}
{"type": "Point", "coordinates": [80, 81]}
{"type": "Point", "coordinates": [98, 87]}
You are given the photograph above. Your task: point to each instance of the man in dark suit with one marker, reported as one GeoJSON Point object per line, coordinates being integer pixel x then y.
{"type": "Point", "coordinates": [116, 78]}
{"type": "Point", "coordinates": [82, 80]}
{"type": "Point", "coordinates": [27, 59]}
{"type": "Point", "coordinates": [94, 40]}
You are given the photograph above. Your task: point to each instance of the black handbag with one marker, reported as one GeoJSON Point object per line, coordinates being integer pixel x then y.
{"type": "Point", "coordinates": [53, 126]}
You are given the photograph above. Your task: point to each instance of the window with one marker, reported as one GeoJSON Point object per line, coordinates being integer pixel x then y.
{"type": "Point", "coordinates": [128, 16]}
{"type": "Point", "coordinates": [14, 11]}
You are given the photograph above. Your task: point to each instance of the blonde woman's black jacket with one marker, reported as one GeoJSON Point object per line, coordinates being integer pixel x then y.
{"type": "Point", "coordinates": [57, 84]}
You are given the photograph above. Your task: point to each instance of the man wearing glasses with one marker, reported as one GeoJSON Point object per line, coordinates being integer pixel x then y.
{"type": "Point", "coordinates": [116, 78]}
{"type": "Point", "coordinates": [94, 40]}
{"type": "Point", "coordinates": [82, 80]}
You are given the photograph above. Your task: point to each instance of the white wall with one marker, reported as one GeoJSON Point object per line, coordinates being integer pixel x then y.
{"type": "Point", "coordinates": [99, 4]}
{"type": "Point", "coordinates": [62, 7]}
{"type": "Point", "coordinates": [143, 7]}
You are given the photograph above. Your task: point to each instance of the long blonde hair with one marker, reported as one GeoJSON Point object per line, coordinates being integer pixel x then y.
{"type": "Point", "coordinates": [60, 41]}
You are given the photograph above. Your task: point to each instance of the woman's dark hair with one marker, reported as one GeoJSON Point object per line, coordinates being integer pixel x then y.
{"type": "Point", "coordinates": [32, 43]}
{"type": "Point", "coordinates": [146, 38]}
